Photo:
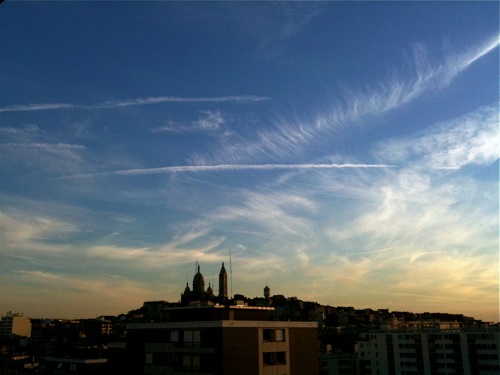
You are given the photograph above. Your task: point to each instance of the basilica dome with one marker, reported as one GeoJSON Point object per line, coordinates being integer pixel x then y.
{"type": "Point", "coordinates": [198, 282]}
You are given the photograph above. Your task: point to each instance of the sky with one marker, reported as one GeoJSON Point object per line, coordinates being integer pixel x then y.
{"type": "Point", "coordinates": [345, 153]}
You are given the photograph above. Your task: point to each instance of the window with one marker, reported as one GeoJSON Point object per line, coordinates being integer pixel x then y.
{"type": "Point", "coordinates": [166, 359]}
{"type": "Point", "coordinates": [267, 334]}
{"type": "Point", "coordinates": [192, 338]}
{"type": "Point", "coordinates": [273, 335]}
{"type": "Point", "coordinates": [280, 335]}
{"type": "Point", "coordinates": [267, 358]}
{"type": "Point", "coordinates": [191, 361]}
{"type": "Point", "coordinates": [174, 336]}
{"type": "Point", "coordinates": [149, 358]}
{"type": "Point", "coordinates": [274, 358]}
{"type": "Point", "coordinates": [281, 358]}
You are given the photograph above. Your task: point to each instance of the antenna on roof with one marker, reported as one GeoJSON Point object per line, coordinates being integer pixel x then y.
{"type": "Point", "coordinates": [231, 272]}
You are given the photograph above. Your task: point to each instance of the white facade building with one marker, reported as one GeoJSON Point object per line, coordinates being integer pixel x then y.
{"type": "Point", "coordinates": [430, 352]}
{"type": "Point", "coordinates": [15, 324]}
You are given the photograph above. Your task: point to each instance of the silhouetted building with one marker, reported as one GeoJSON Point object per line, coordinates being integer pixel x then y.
{"type": "Point", "coordinates": [222, 340]}
{"type": "Point", "coordinates": [267, 293]}
{"type": "Point", "coordinates": [198, 292]}
{"type": "Point", "coordinates": [223, 282]}
{"type": "Point", "coordinates": [198, 283]}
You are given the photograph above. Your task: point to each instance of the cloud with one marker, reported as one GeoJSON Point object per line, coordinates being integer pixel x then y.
{"type": "Point", "coordinates": [419, 204]}
{"type": "Point", "coordinates": [211, 121]}
{"type": "Point", "coordinates": [42, 157]}
{"type": "Point", "coordinates": [47, 147]}
{"type": "Point", "coordinates": [194, 245]}
{"type": "Point", "coordinates": [469, 139]}
{"type": "Point", "coordinates": [289, 135]}
{"type": "Point", "coordinates": [435, 281]}
{"type": "Point", "coordinates": [415, 233]}
{"type": "Point", "coordinates": [24, 132]}
{"type": "Point", "coordinates": [228, 167]}
{"type": "Point", "coordinates": [459, 62]}
{"type": "Point", "coordinates": [39, 107]}
{"type": "Point", "coordinates": [30, 229]}
{"type": "Point", "coordinates": [240, 167]}
{"type": "Point", "coordinates": [133, 102]}
{"type": "Point", "coordinates": [283, 214]}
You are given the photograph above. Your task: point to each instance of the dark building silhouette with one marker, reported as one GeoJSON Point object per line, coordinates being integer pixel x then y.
{"type": "Point", "coordinates": [216, 335]}
{"type": "Point", "coordinates": [198, 283]}
{"type": "Point", "coordinates": [223, 282]}
{"type": "Point", "coordinates": [222, 340]}
{"type": "Point", "coordinates": [198, 294]}
{"type": "Point", "coordinates": [267, 293]}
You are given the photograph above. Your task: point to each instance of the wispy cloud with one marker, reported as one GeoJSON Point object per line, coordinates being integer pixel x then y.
{"type": "Point", "coordinates": [413, 204]}
{"type": "Point", "coordinates": [290, 135]}
{"type": "Point", "coordinates": [28, 130]}
{"type": "Point", "coordinates": [39, 107]}
{"type": "Point", "coordinates": [29, 229]}
{"type": "Point", "coordinates": [49, 147]}
{"type": "Point", "coordinates": [427, 75]}
{"type": "Point", "coordinates": [132, 102]}
{"type": "Point", "coordinates": [168, 253]}
{"type": "Point", "coordinates": [469, 139]}
{"type": "Point", "coordinates": [209, 121]}
{"type": "Point", "coordinates": [42, 157]}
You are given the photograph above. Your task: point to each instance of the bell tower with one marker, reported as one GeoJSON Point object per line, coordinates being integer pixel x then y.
{"type": "Point", "coordinates": [223, 282]}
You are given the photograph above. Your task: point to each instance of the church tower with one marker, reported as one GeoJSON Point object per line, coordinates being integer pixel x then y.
{"type": "Point", "coordinates": [223, 282]}
{"type": "Point", "coordinates": [267, 293]}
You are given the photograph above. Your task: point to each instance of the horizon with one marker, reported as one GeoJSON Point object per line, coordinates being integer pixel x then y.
{"type": "Point", "coordinates": [374, 309]}
{"type": "Point", "coordinates": [344, 152]}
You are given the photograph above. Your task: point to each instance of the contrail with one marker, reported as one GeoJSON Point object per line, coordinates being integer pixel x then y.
{"type": "Point", "coordinates": [39, 107]}
{"type": "Point", "coordinates": [132, 102]}
{"type": "Point", "coordinates": [227, 167]}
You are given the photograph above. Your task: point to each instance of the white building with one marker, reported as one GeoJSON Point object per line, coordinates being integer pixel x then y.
{"type": "Point", "coordinates": [15, 324]}
{"type": "Point", "coordinates": [430, 351]}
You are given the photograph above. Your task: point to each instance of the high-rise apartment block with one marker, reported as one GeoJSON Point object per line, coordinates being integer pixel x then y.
{"type": "Point", "coordinates": [15, 324]}
{"type": "Point", "coordinates": [430, 351]}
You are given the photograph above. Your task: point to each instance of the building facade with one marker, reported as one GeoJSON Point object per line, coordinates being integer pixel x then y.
{"type": "Point", "coordinates": [222, 340]}
{"type": "Point", "coordinates": [430, 352]}
{"type": "Point", "coordinates": [15, 324]}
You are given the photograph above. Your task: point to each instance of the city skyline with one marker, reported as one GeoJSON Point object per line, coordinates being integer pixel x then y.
{"type": "Point", "coordinates": [344, 153]}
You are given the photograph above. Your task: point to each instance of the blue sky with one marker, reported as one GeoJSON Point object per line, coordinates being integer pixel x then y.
{"type": "Point", "coordinates": [345, 153]}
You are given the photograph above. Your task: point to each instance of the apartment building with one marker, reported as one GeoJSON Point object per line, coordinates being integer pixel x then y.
{"type": "Point", "coordinates": [15, 324]}
{"type": "Point", "coordinates": [222, 340]}
{"type": "Point", "coordinates": [430, 351]}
